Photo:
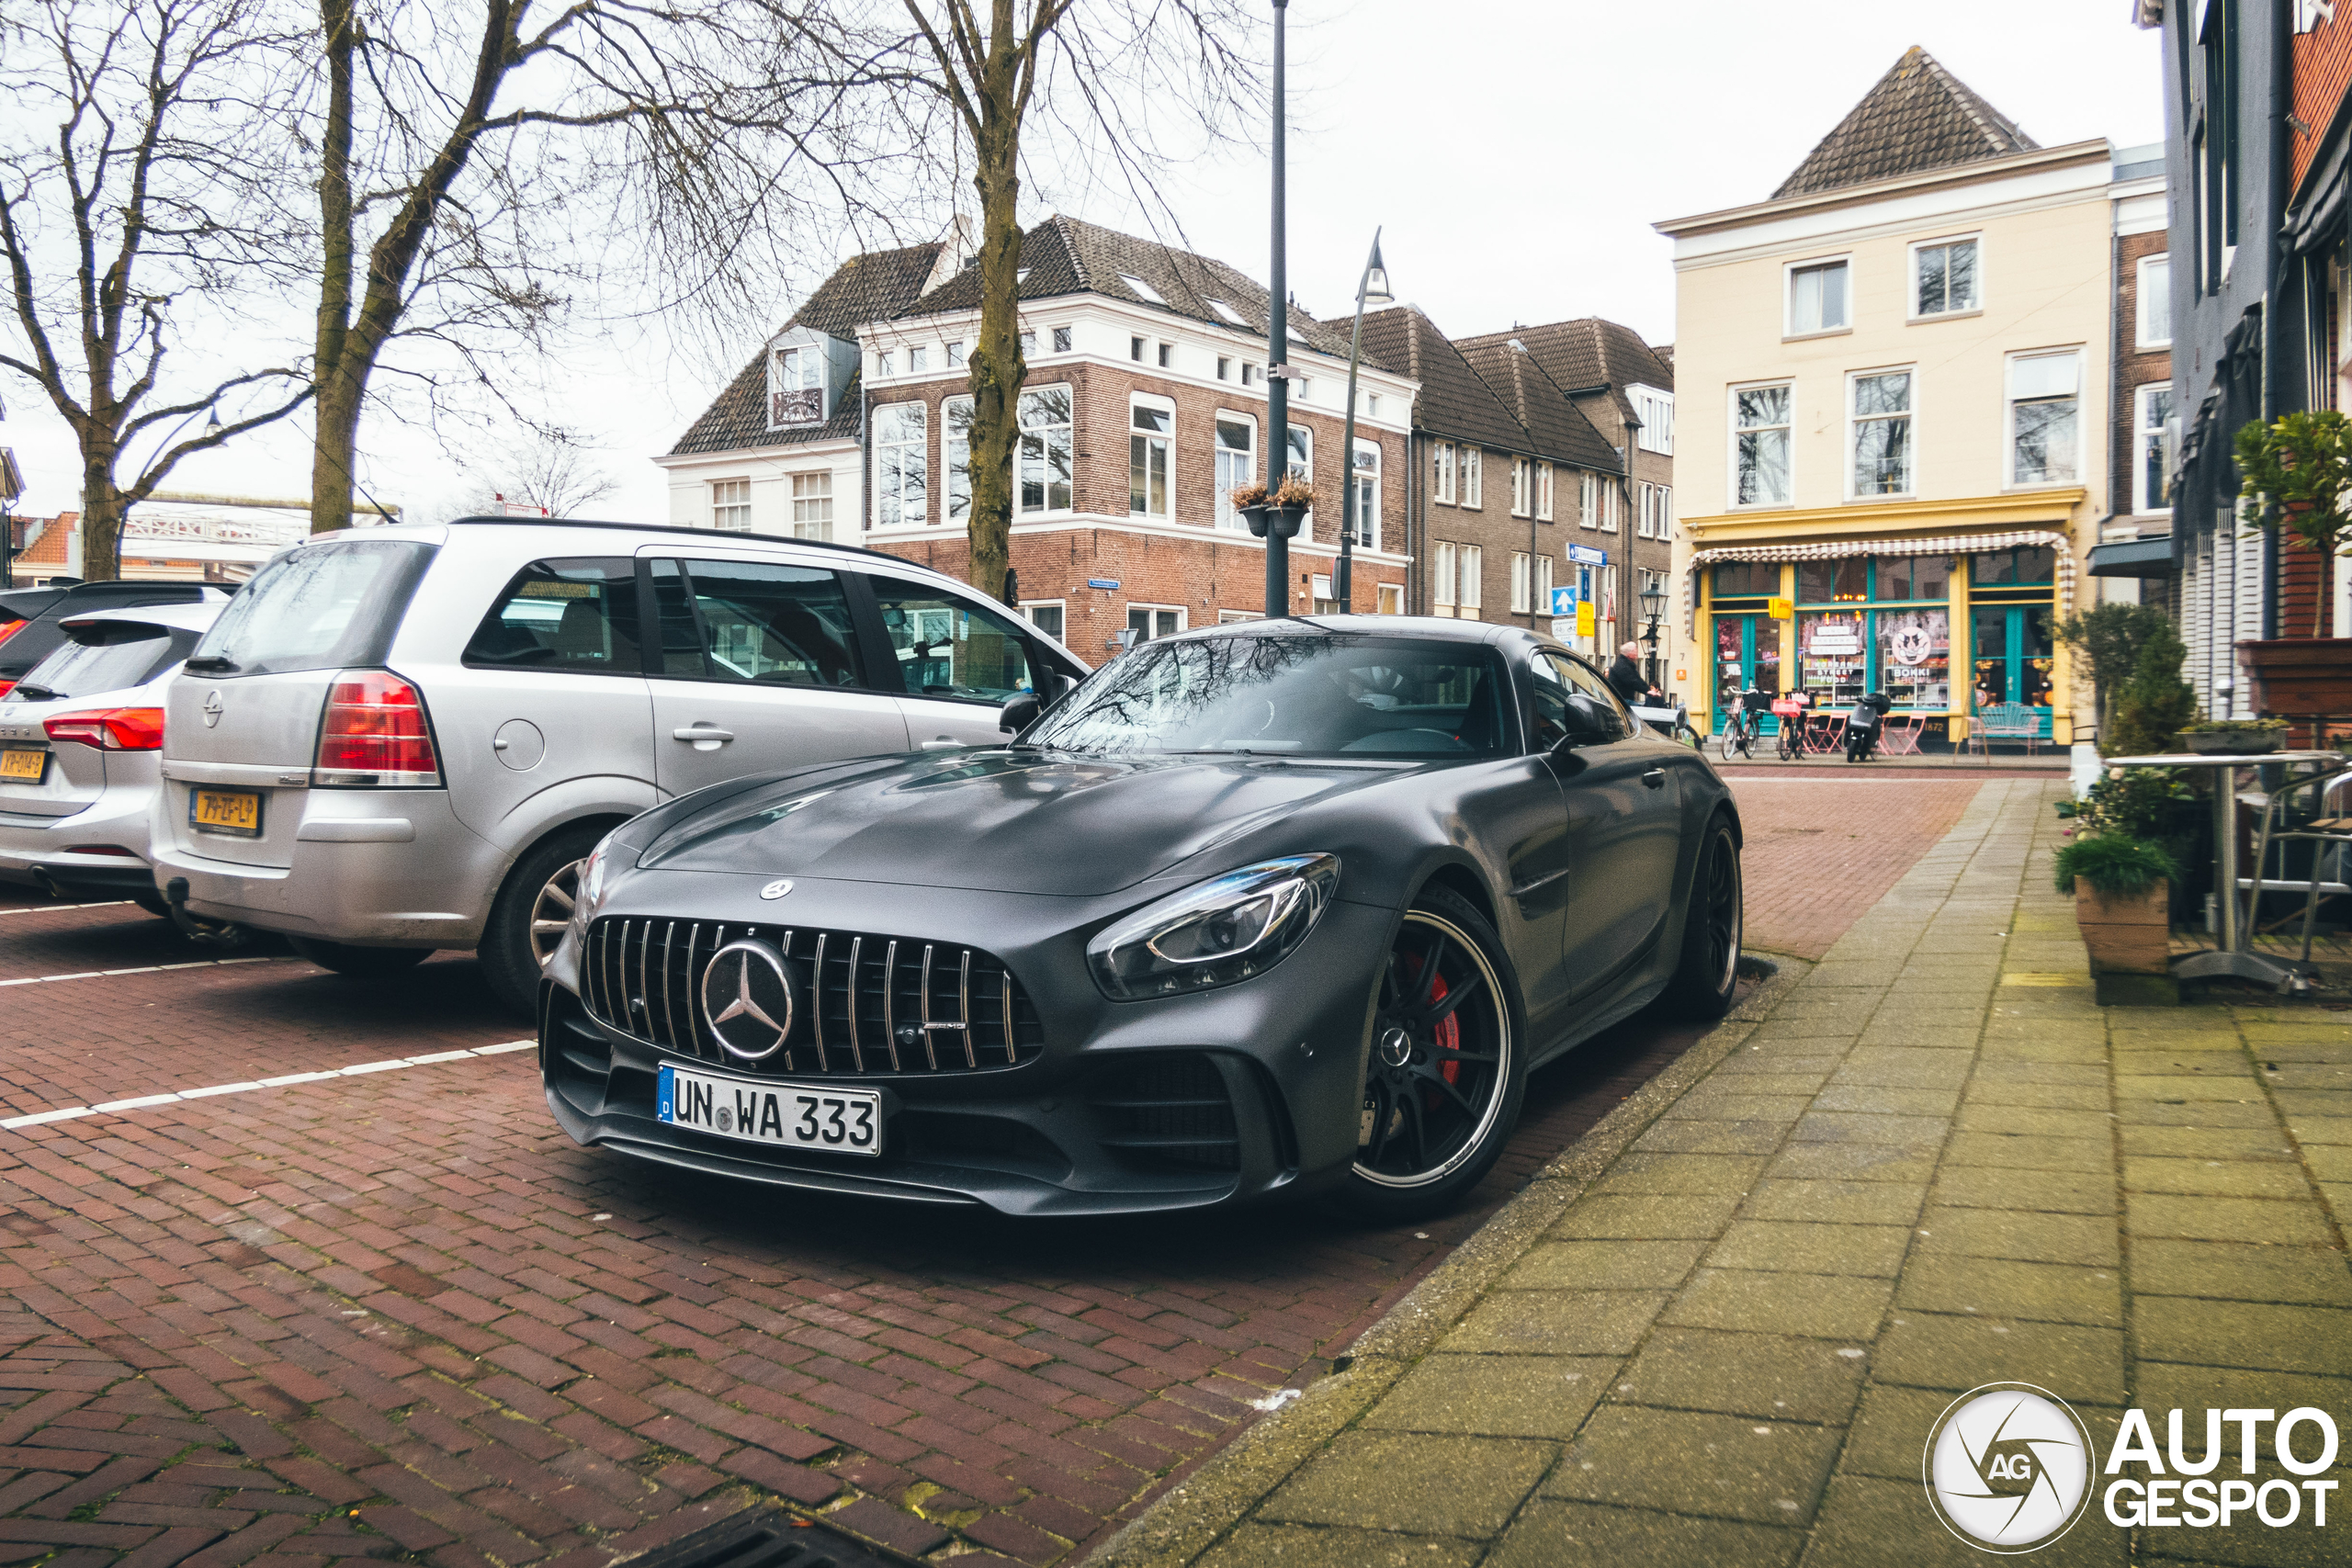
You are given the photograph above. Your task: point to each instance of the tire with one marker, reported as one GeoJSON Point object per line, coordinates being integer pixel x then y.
{"type": "Point", "coordinates": [527, 918]}
{"type": "Point", "coordinates": [1729, 743]}
{"type": "Point", "coordinates": [1424, 1139]}
{"type": "Point", "coordinates": [359, 962]}
{"type": "Point", "coordinates": [1708, 974]}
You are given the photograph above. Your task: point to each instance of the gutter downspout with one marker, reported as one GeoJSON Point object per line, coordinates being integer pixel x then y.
{"type": "Point", "coordinates": [1414, 577]}
{"type": "Point", "coordinates": [2273, 360]}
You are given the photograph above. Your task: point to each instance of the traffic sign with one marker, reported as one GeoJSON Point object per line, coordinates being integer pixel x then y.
{"type": "Point", "coordinates": [1564, 600]}
{"type": "Point", "coordinates": [1587, 618]}
{"type": "Point", "coordinates": [1585, 554]}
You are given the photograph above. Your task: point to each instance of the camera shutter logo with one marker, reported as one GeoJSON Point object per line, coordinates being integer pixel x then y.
{"type": "Point", "coordinates": [2008, 1468]}
{"type": "Point", "coordinates": [747, 997]}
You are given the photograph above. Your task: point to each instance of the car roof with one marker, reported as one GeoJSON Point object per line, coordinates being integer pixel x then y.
{"type": "Point", "coordinates": [705, 534]}
{"type": "Point", "coordinates": [176, 617]}
{"type": "Point", "coordinates": [1433, 628]}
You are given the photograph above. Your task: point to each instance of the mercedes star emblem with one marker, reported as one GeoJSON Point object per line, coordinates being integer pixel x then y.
{"type": "Point", "coordinates": [747, 997]}
{"type": "Point", "coordinates": [212, 707]}
{"type": "Point", "coordinates": [777, 889]}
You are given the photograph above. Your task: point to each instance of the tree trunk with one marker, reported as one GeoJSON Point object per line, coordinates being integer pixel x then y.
{"type": "Point", "coordinates": [102, 510]}
{"type": "Point", "coordinates": [335, 446]}
{"type": "Point", "coordinates": [996, 365]}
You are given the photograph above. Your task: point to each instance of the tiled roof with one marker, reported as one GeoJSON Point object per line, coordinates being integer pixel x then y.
{"type": "Point", "coordinates": [1560, 430]}
{"type": "Point", "coordinates": [1589, 351]}
{"type": "Point", "coordinates": [869, 287]}
{"type": "Point", "coordinates": [1918, 117]}
{"type": "Point", "coordinates": [1454, 400]}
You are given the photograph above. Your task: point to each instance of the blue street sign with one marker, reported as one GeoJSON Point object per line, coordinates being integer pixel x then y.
{"type": "Point", "coordinates": [1585, 554]}
{"type": "Point", "coordinates": [1102, 583]}
{"type": "Point", "coordinates": [1564, 601]}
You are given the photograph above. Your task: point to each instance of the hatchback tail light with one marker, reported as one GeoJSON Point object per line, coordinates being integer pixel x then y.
{"type": "Point", "coordinates": [374, 735]}
{"type": "Point", "coordinates": [109, 729]}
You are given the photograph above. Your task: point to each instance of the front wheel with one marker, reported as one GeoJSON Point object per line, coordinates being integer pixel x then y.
{"type": "Point", "coordinates": [1711, 926]}
{"type": "Point", "coordinates": [1445, 1076]}
{"type": "Point", "coordinates": [1729, 745]}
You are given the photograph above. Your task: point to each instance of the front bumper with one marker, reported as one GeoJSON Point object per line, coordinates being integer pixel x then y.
{"type": "Point", "coordinates": [1113, 1116]}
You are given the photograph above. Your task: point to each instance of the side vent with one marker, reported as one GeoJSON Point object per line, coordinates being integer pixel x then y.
{"type": "Point", "coordinates": [1164, 1111]}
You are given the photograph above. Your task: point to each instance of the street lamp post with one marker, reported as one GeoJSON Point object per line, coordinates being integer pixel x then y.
{"type": "Point", "coordinates": [1373, 289]}
{"type": "Point", "coordinates": [1279, 528]}
{"type": "Point", "coordinates": [1652, 607]}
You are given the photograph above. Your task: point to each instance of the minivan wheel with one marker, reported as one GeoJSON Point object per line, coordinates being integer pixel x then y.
{"type": "Point", "coordinates": [359, 962]}
{"type": "Point", "coordinates": [526, 922]}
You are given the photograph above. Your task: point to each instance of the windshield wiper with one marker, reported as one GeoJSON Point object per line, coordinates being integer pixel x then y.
{"type": "Point", "coordinates": [211, 664]}
{"type": "Point", "coordinates": [34, 691]}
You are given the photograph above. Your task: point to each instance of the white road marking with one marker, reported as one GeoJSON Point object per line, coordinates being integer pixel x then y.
{"type": "Point", "coordinates": [46, 909]}
{"type": "Point", "coordinates": [112, 1107]}
{"type": "Point", "coordinates": [148, 969]}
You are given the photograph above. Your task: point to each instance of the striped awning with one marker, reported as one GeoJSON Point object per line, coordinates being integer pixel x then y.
{"type": "Point", "coordinates": [1828, 549]}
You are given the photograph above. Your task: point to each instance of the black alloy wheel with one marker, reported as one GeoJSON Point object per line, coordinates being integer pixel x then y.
{"type": "Point", "coordinates": [1444, 1076]}
{"type": "Point", "coordinates": [1709, 972]}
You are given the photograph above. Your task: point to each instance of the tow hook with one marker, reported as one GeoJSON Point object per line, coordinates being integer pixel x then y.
{"type": "Point", "coordinates": [196, 928]}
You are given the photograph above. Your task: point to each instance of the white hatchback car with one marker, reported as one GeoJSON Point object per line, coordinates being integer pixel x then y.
{"type": "Point", "coordinates": [79, 738]}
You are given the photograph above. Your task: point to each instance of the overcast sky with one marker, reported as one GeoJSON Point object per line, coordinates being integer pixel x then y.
{"type": "Point", "coordinates": [1516, 152]}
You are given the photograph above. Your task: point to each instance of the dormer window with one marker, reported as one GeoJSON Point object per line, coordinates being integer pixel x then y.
{"type": "Point", "coordinates": [1143, 290]}
{"type": "Point", "coordinates": [1225, 313]}
{"type": "Point", "coordinates": [796, 388]}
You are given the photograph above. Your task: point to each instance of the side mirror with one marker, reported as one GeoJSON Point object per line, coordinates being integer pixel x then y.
{"type": "Point", "coordinates": [1589, 722]}
{"type": "Point", "coordinates": [1019, 713]}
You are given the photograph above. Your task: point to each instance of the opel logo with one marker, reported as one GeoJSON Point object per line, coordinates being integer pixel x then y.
{"type": "Point", "coordinates": [777, 889]}
{"type": "Point", "coordinates": [747, 997]}
{"type": "Point", "coordinates": [212, 707]}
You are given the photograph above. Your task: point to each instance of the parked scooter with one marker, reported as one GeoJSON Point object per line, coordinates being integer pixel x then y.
{"type": "Point", "coordinates": [1863, 724]}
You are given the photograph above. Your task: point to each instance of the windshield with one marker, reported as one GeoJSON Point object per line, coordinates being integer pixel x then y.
{"type": "Point", "coordinates": [320, 607]}
{"type": "Point", "coordinates": [132, 655]}
{"type": "Point", "coordinates": [1317, 694]}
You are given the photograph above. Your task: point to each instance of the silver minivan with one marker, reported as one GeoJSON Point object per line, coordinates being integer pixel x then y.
{"type": "Point", "coordinates": [404, 739]}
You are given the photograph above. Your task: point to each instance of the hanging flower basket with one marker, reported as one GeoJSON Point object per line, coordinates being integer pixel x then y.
{"type": "Point", "coordinates": [1283, 512]}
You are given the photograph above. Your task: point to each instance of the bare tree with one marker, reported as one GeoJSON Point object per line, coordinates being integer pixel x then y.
{"type": "Point", "coordinates": [142, 204]}
{"type": "Point", "coordinates": [550, 471]}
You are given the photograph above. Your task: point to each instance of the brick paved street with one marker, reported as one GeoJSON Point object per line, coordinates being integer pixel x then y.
{"type": "Point", "coordinates": [398, 1313]}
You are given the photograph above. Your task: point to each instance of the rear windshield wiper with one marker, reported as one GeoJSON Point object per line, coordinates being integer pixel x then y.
{"type": "Point", "coordinates": [34, 691]}
{"type": "Point", "coordinates": [211, 664]}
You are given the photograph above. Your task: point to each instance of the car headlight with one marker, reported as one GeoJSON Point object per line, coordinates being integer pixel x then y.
{"type": "Point", "coordinates": [589, 896]}
{"type": "Point", "coordinates": [1225, 930]}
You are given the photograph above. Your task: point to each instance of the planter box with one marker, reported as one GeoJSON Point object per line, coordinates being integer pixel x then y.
{"type": "Point", "coordinates": [2126, 936]}
{"type": "Point", "coordinates": [2300, 675]}
{"type": "Point", "coordinates": [2232, 742]}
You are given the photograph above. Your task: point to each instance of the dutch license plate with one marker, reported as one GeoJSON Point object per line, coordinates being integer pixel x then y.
{"type": "Point", "coordinates": [26, 766]}
{"type": "Point", "coordinates": [234, 811]}
{"type": "Point", "coordinates": [785, 1115]}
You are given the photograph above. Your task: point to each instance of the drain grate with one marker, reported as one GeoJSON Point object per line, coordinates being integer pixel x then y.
{"type": "Point", "coordinates": [769, 1537]}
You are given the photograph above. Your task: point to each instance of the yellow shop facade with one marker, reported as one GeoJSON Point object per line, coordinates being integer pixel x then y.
{"type": "Point", "coordinates": [1894, 415]}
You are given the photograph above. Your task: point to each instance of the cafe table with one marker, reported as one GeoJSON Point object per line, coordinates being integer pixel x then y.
{"type": "Point", "coordinates": [2235, 956]}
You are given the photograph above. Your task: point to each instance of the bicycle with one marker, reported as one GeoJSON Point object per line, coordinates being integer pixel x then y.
{"type": "Point", "coordinates": [1740, 730]}
{"type": "Point", "coordinates": [1790, 711]}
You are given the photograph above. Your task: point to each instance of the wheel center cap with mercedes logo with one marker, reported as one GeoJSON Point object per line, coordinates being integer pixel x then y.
{"type": "Point", "coordinates": [211, 709]}
{"type": "Point", "coordinates": [747, 1000]}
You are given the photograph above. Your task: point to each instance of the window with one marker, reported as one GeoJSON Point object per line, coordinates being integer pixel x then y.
{"type": "Point", "coordinates": [1061, 340]}
{"type": "Point", "coordinates": [1525, 568]}
{"type": "Point", "coordinates": [2218, 40]}
{"type": "Point", "coordinates": [1236, 463]}
{"type": "Point", "coordinates": [1473, 477]}
{"type": "Point", "coordinates": [1148, 621]}
{"type": "Point", "coordinates": [1302, 452]}
{"type": "Point", "coordinates": [918, 359]}
{"type": "Point", "coordinates": [1544, 492]}
{"type": "Point", "coordinates": [1608, 506]}
{"type": "Point", "coordinates": [955, 355]}
{"type": "Point", "coordinates": [2022, 566]}
{"type": "Point", "coordinates": [1650, 511]}
{"type": "Point", "coordinates": [1166, 356]}
{"type": "Point", "coordinates": [1223, 367]}
{"type": "Point", "coordinates": [955, 456]}
{"type": "Point", "coordinates": [1388, 599]}
{"type": "Point", "coordinates": [902, 464]}
{"type": "Point", "coordinates": [1588, 501]}
{"type": "Point", "coordinates": [1152, 427]}
{"type": "Point", "coordinates": [1740, 579]}
{"type": "Point", "coordinates": [1233, 617]}
{"type": "Point", "coordinates": [1445, 463]}
{"type": "Point", "coordinates": [1943, 278]}
{"type": "Point", "coordinates": [777, 626]}
{"type": "Point", "coordinates": [1028, 343]}
{"type": "Point", "coordinates": [796, 388]}
{"type": "Point", "coordinates": [574, 617]}
{"type": "Point", "coordinates": [1522, 565]}
{"type": "Point", "coordinates": [2044, 413]}
{"type": "Point", "coordinates": [1248, 374]}
{"type": "Point", "coordinates": [1372, 405]}
{"type": "Point", "coordinates": [1135, 349]}
{"type": "Point", "coordinates": [812, 505]}
{"type": "Point", "coordinates": [1472, 597]}
{"type": "Point", "coordinates": [2152, 448]}
{"type": "Point", "coordinates": [1045, 457]}
{"type": "Point", "coordinates": [1760, 436]}
{"type": "Point", "coordinates": [1817, 298]}
{"type": "Point", "coordinates": [1445, 566]}
{"type": "Point", "coordinates": [1367, 484]}
{"type": "Point", "coordinates": [1045, 614]}
{"type": "Point", "coordinates": [1655, 408]}
{"type": "Point", "coordinates": [1522, 487]}
{"type": "Point", "coordinates": [1143, 290]}
{"type": "Point", "coordinates": [731, 504]}
{"type": "Point", "coordinates": [1226, 311]}
{"type": "Point", "coordinates": [1912, 577]}
{"type": "Point", "coordinates": [1843, 581]}
{"type": "Point", "coordinates": [2154, 297]}
{"type": "Point", "coordinates": [951, 648]}
{"type": "Point", "coordinates": [886, 362]}
{"type": "Point", "coordinates": [1881, 433]}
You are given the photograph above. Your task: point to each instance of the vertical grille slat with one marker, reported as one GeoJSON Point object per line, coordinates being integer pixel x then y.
{"type": "Point", "coordinates": [817, 1004]}
{"type": "Point", "coordinates": [857, 1046]}
{"type": "Point", "coordinates": [889, 1000]}
{"type": "Point", "coordinates": [964, 1009]}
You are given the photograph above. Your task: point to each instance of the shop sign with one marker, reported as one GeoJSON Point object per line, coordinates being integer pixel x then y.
{"type": "Point", "coordinates": [1779, 610]}
{"type": "Point", "coordinates": [1910, 645]}
{"type": "Point", "coordinates": [1834, 637]}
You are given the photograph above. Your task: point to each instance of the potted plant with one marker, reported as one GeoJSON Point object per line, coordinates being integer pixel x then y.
{"type": "Point", "coordinates": [2297, 470]}
{"type": "Point", "coordinates": [1283, 510]}
{"type": "Point", "coordinates": [2121, 900]}
{"type": "Point", "coordinates": [2234, 737]}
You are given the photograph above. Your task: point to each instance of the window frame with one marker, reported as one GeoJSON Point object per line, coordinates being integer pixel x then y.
{"type": "Point", "coordinates": [948, 466]}
{"type": "Point", "coordinates": [1588, 499]}
{"type": "Point", "coordinates": [1473, 581]}
{"type": "Point", "coordinates": [1305, 523]}
{"type": "Point", "coordinates": [1544, 473]}
{"type": "Point", "coordinates": [1059, 606]}
{"type": "Point", "coordinates": [1649, 402]}
{"type": "Point", "coordinates": [1445, 573]}
{"type": "Point", "coordinates": [1183, 618]}
{"type": "Point", "coordinates": [1913, 315]}
{"type": "Point", "coordinates": [1444, 458]}
{"type": "Point", "coordinates": [1367, 508]}
{"type": "Point", "coordinates": [2141, 431]}
{"type": "Point", "coordinates": [1609, 504]}
{"type": "Point", "coordinates": [1020, 435]}
{"type": "Point", "coordinates": [1854, 379]}
{"type": "Point", "coordinates": [1789, 271]}
{"type": "Point", "coordinates": [1228, 516]}
{"type": "Point", "coordinates": [2009, 401]}
{"type": "Point", "coordinates": [1522, 487]}
{"type": "Point", "coordinates": [1165, 441]}
{"type": "Point", "coordinates": [1472, 486]}
{"type": "Point", "coordinates": [2140, 295]}
{"type": "Point", "coordinates": [921, 445]}
{"type": "Point", "coordinates": [798, 523]}
{"type": "Point", "coordinates": [1788, 427]}
{"type": "Point", "coordinates": [1062, 340]}
{"type": "Point", "coordinates": [719, 506]}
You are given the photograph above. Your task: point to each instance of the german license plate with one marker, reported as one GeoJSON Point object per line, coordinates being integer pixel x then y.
{"type": "Point", "coordinates": [782, 1115]}
{"type": "Point", "coordinates": [27, 766]}
{"type": "Point", "coordinates": [233, 811]}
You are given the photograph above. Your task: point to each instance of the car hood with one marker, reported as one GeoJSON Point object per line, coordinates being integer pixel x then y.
{"type": "Point", "coordinates": [1001, 821]}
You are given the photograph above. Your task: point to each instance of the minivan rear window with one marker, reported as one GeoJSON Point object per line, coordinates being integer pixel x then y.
{"type": "Point", "coordinates": [104, 658]}
{"type": "Point", "coordinates": [321, 607]}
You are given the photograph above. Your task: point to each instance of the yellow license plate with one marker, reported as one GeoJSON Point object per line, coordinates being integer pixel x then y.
{"type": "Point", "coordinates": [24, 767]}
{"type": "Point", "coordinates": [234, 811]}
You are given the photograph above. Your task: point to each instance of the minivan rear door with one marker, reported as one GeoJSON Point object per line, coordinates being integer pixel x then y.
{"type": "Point", "coordinates": [757, 670]}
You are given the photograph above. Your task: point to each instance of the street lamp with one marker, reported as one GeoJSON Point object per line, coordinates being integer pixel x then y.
{"type": "Point", "coordinates": [1279, 526]}
{"type": "Point", "coordinates": [1371, 290]}
{"type": "Point", "coordinates": [1653, 605]}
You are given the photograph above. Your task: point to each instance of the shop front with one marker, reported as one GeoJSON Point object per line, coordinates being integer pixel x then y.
{"type": "Point", "coordinates": [1946, 627]}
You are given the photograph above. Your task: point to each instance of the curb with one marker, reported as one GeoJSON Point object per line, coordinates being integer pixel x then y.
{"type": "Point", "coordinates": [1192, 1517]}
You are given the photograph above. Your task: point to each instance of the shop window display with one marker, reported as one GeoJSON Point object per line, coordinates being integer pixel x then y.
{"type": "Point", "coordinates": [1915, 657]}
{"type": "Point", "coordinates": [1833, 656]}
{"type": "Point", "coordinates": [2013, 655]}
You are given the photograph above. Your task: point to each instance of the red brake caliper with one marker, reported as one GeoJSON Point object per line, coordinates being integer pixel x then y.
{"type": "Point", "coordinates": [1449, 1038]}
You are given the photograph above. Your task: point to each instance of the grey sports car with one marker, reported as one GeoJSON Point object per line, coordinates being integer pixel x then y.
{"type": "Point", "coordinates": [1285, 907]}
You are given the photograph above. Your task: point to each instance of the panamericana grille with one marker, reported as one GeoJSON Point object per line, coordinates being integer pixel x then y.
{"type": "Point", "coordinates": [864, 1003]}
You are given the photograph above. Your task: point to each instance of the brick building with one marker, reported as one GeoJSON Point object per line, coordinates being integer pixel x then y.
{"type": "Point", "coordinates": [1144, 407]}
{"type": "Point", "coordinates": [2134, 557]}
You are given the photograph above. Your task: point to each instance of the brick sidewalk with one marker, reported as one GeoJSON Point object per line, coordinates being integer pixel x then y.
{"type": "Point", "coordinates": [1821, 851]}
{"type": "Point", "coordinates": [1720, 1331]}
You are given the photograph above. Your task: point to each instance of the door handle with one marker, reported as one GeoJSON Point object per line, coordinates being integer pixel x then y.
{"type": "Point", "coordinates": [943, 744]}
{"type": "Point", "coordinates": [1654, 778]}
{"type": "Point", "coordinates": [701, 732]}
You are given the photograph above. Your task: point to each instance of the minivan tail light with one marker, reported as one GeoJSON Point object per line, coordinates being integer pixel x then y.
{"type": "Point", "coordinates": [374, 735]}
{"type": "Point", "coordinates": [109, 729]}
